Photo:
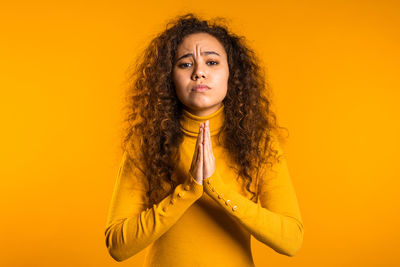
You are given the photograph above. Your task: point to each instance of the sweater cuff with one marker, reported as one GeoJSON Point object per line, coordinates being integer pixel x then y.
{"type": "Point", "coordinates": [182, 197]}
{"type": "Point", "coordinates": [231, 201]}
{"type": "Point", "coordinates": [193, 187]}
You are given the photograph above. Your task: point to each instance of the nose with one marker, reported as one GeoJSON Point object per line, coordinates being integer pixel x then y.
{"type": "Point", "coordinates": [198, 72]}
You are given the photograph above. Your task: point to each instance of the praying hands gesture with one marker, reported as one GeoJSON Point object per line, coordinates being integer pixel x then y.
{"type": "Point", "coordinates": [203, 162]}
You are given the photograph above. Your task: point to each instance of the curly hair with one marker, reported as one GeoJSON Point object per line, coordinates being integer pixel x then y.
{"type": "Point", "coordinates": [153, 134]}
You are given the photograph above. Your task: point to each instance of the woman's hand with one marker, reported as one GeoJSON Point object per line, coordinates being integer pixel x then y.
{"type": "Point", "coordinates": [196, 169]}
{"type": "Point", "coordinates": [203, 162]}
{"type": "Point", "coordinates": [209, 165]}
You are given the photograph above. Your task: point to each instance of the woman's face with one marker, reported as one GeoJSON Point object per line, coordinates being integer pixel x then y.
{"type": "Point", "coordinates": [201, 60]}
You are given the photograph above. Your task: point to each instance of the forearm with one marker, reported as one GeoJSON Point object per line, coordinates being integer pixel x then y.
{"type": "Point", "coordinates": [282, 232]}
{"type": "Point", "coordinates": [127, 236]}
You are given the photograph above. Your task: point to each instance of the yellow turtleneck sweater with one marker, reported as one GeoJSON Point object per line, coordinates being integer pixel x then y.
{"type": "Point", "coordinates": [204, 225]}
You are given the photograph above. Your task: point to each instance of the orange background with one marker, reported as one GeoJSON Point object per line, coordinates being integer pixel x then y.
{"type": "Point", "coordinates": [334, 69]}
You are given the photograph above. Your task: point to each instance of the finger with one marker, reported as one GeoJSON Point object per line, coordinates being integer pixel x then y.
{"type": "Point", "coordinates": [209, 148]}
{"type": "Point", "coordinates": [196, 148]}
{"type": "Point", "coordinates": [198, 159]}
{"type": "Point", "coordinates": [209, 138]}
{"type": "Point", "coordinates": [201, 152]}
{"type": "Point", "coordinates": [205, 140]}
{"type": "Point", "coordinates": [203, 161]}
{"type": "Point", "coordinates": [200, 141]}
{"type": "Point", "coordinates": [202, 136]}
{"type": "Point", "coordinates": [209, 134]}
{"type": "Point", "coordinates": [209, 151]}
{"type": "Point", "coordinates": [205, 152]}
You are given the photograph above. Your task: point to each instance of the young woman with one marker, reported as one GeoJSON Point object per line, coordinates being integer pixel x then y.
{"type": "Point", "coordinates": [202, 168]}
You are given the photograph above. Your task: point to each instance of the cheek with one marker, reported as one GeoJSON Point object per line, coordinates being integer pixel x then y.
{"type": "Point", "coordinates": [178, 79]}
{"type": "Point", "coordinates": [179, 84]}
{"type": "Point", "coordinates": [227, 75]}
{"type": "Point", "coordinates": [174, 80]}
{"type": "Point", "coordinates": [225, 81]}
{"type": "Point", "coordinates": [222, 78]}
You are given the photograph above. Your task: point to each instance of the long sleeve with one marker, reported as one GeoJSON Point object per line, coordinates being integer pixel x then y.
{"type": "Point", "coordinates": [131, 226]}
{"type": "Point", "coordinates": [275, 219]}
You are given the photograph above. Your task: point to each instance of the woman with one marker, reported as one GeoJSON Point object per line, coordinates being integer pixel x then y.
{"type": "Point", "coordinates": [202, 168]}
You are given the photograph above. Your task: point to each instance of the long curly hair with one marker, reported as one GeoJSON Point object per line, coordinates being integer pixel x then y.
{"type": "Point", "coordinates": [153, 134]}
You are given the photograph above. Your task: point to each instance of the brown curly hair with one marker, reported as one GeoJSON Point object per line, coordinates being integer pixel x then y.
{"type": "Point", "coordinates": [153, 134]}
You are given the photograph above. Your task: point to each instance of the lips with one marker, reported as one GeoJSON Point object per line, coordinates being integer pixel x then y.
{"type": "Point", "coordinates": [201, 88]}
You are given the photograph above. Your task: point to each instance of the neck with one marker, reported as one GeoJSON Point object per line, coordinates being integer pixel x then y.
{"type": "Point", "coordinates": [190, 123]}
{"type": "Point", "coordinates": [204, 112]}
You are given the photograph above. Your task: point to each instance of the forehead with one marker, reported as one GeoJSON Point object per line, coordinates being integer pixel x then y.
{"type": "Point", "coordinates": [202, 41]}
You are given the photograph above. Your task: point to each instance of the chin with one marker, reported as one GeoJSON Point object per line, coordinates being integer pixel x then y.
{"type": "Point", "coordinates": [199, 106]}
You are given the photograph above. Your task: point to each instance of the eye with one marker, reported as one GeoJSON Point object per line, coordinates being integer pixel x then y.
{"type": "Point", "coordinates": [183, 65]}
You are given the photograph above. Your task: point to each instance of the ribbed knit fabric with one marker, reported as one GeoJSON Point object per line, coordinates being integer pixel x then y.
{"type": "Point", "coordinates": [204, 225]}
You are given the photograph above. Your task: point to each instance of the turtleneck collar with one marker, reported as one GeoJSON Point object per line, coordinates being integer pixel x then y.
{"type": "Point", "coordinates": [190, 123]}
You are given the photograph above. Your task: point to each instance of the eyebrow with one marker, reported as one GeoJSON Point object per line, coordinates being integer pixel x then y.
{"type": "Point", "coordinates": [205, 52]}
